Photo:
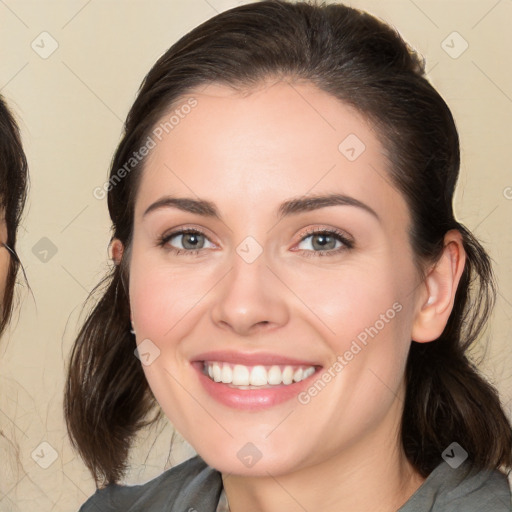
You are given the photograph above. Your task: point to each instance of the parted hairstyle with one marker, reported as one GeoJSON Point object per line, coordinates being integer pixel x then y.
{"type": "Point", "coordinates": [13, 192]}
{"type": "Point", "coordinates": [366, 64]}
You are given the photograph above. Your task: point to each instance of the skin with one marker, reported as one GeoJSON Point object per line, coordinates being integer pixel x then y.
{"type": "Point", "coordinates": [4, 257]}
{"type": "Point", "coordinates": [247, 154]}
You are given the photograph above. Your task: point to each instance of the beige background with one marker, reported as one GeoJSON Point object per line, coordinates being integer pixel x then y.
{"type": "Point", "coordinates": [71, 106]}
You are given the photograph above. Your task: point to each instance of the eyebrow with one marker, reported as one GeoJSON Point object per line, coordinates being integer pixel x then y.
{"type": "Point", "coordinates": [286, 209]}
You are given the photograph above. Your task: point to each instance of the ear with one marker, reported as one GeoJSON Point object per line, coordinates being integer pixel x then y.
{"type": "Point", "coordinates": [438, 290]}
{"type": "Point", "coordinates": [116, 250]}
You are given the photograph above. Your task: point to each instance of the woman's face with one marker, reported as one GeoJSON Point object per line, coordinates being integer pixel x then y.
{"type": "Point", "coordinates": [299, 261]}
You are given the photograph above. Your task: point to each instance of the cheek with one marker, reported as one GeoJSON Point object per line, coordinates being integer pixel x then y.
{"type": "Point", "coordinates": [368, 346]}
{"type": "Point", "coordinates": [165, 299]}
{"type": "Point", "coordinates": [346, 300]}
{"type": "Point", "coordinates": [366, 318]}
{"type": "Point", "coordinates": [166, 305]}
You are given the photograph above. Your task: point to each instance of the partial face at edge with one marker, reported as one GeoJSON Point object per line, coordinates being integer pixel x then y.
{"type": "Point", "coordinates": [5, 258]}
{"type": "Point", "coordinates": [261, 285]}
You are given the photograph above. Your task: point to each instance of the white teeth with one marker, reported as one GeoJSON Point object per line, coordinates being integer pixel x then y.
{"type": "Point", "coordinates": [274, 376]}
{"type": "Point", "coordinates": [240, 375]}
{"type": "Point", "coordinates": [287, 375]}
{"type": "Point", "coordinates": [259, 375]}
{"type": "Point", "coordinates": [227, 374]}
{"type": "Point", "coordinates": [217, 372]}
{"type": "Point", "coordinates": [308, 372]}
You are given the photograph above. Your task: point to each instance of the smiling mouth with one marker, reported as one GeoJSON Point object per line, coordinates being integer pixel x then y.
{"type": "Point", "coordinates": [256, 377]}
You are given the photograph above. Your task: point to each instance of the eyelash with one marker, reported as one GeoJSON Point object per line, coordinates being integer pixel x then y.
{"type": "Point", "coordinates": [339, 235]}
{"type": "Point", "coordinates": [347, 244]}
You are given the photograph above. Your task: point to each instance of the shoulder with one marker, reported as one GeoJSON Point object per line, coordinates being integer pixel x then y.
{"type": "Point", "coordinates": [481, 490]}
{"type": "Point", "coordinates": [191, 485]}
{"type": "Point", "coordinates": [465, 488]}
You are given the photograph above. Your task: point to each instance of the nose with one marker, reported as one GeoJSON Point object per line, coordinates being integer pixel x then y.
{"type": "Point", "coordinates": [250, 299]}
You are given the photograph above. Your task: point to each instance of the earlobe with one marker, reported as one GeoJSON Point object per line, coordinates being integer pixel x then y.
{"type": "Point", "coordinates": [116, 251]}
{"type": "Point", "coordinates": [439, 288]}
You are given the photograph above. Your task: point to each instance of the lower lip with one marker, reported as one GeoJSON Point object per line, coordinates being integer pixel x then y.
{"type": "Point", "coordinates": [250, 399]}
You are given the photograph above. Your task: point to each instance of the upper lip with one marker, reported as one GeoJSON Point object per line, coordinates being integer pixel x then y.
{"type": "Point", "coordinates": [251, 359]}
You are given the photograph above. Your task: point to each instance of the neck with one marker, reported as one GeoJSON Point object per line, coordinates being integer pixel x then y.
{"type": "Point", "coordinates": [372, 474]}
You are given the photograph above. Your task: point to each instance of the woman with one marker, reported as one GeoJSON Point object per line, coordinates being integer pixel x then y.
{"type": "Point", "coordinates": [283, 228]}
{"type": "Point", "coordinates": [13, 189]}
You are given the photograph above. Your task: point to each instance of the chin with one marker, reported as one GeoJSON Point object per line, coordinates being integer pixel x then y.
{"type": "Point", "coordinates": [244, 458]}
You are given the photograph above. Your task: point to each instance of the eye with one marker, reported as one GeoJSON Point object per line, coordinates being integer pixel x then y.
{"type": "Point", "coordinates": [322, 242]}
{"type": "Point", "coordinates": [189, 241]}
{"type": "Point", "coordinates": [318, 242]}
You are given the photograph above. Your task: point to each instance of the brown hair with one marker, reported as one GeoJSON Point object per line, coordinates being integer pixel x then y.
{"type": "Point", "coordinates": [13, 192]}
{"type": "Point", "coordinates": [364, 63]}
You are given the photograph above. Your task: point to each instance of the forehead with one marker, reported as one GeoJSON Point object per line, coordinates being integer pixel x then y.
{"type": "Point", "coordinates": [276, 141]}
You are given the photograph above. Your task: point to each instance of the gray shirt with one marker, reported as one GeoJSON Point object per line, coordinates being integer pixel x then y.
{"type": "Point", "coordinates": [193, 486]}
